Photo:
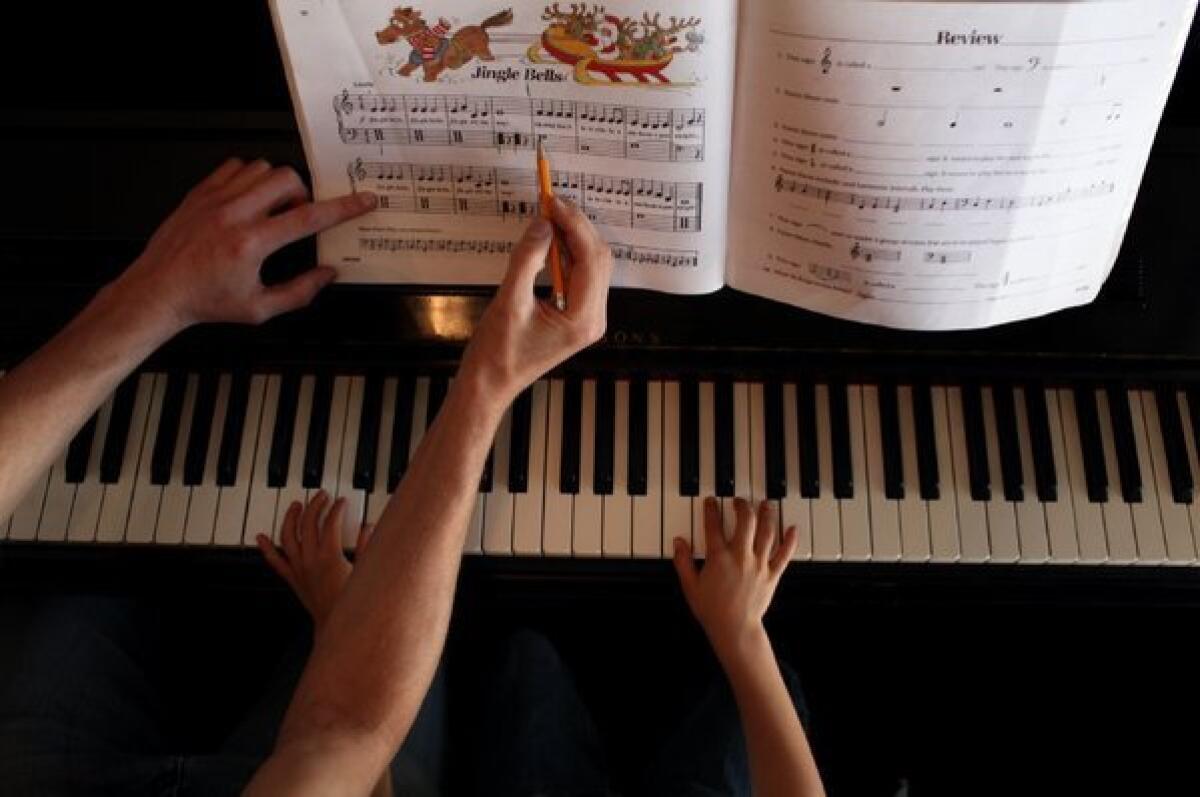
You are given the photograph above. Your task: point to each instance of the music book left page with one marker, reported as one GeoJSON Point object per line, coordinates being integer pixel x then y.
{"type": "Point", "coordinates": [437, 107]}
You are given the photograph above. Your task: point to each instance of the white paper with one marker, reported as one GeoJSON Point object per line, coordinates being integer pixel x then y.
{"type": "Point", "coordinates": [943, 165]}
{"type": "Point", "coordinates": [452, 156]}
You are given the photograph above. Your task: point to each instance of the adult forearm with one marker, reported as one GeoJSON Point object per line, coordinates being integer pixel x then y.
{"type": "Point", "coordinates": [389, 626]}
{"type": "Point", "coordinates": [781, 762]}
{"type": "Point", "coordinates": [46, 399]}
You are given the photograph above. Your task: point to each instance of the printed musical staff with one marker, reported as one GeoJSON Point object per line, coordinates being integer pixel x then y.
{"type": "Point", "coordinates": [870, 254]}
{"type": "Point", "coordinates": [922, 204]}
{"type": "Point", "coordinates": [514, 123]}
{"type": "Point", "coordinates": [637, 203]}
{"type": "Point", "coordinates": [627, 254]}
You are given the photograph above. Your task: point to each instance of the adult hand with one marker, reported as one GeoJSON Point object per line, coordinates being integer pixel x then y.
{"type": "Point", "coordinates": [730, 595]}
{"type": "Point", "coordinates": [204, 262]}
{"type": "Point", "coordinates": [520, 337]}
{"type": "Point", "coordinates": [311, 560]}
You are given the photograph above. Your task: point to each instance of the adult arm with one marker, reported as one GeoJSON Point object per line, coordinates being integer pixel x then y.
{"type": "Point", "coordinates": [375, 657]}
{"type": "Point", "coordinates": [202, 264]}
{"type": "Point", "coordinates": [729, 597]}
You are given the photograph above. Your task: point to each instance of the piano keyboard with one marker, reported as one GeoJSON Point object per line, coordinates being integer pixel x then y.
{"type": "Point", "coordinates": [1006, 473]}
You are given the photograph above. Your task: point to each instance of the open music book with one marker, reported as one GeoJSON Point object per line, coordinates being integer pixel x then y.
{"type": "Point", "coordinates": [924, 165]}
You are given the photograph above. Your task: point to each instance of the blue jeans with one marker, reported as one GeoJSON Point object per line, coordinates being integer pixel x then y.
{"type": "Point", "coordinates": [542, 741]}
{"type": "Point", "coordinates": [84, 712]}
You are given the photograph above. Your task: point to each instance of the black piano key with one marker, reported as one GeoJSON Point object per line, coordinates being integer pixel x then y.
{"type": "Point", "coordinates": [366, 448]}
{"type": "Point", "coordinates": [205, 408]}
{"type": "Point", "coordinates": [568, 472]}
{"type": "Point", "coordinates": [438, 386]}
{"type": "Point", "coordinates": [639, 431]}
{"type": "Point", "coordinates": [233, 430]}
{"type": "Point", "coordinates": [115, 440]}
{"type": "Point", "coordinates": [889, 434]}
{"type": "Point", "coordinates": [773, 445]}
{"type": "Point", "coordinates": [839, 435]}
{"type": "Point", "coordinates": [806, 421]}
{"type": "Point", "coordinates": [318, 432]}
{"type": "Point", "coordinates": [79, 452]}
{"type": "Point", "coordinates": [689, 438]}
{"type": "Point", "coordinates": [1087, 416]}
{"type": "Point", "coordinates": [1045, 472]}
{"type": "Point", "coordinates": [485, 478]}
{"type": "Point", "coordinates": [401, 430]}
{"type": "Point", "coordinates": [1128, 468]}
{"type": "Point", "coordinates": [928, 473]}
{"type": "Point", "coordinates": [723, 462]}
{"type": "Point", "coordinates": [168, 429]}
{"type": "Point", "coordinates": [976, 435]}
{"type": "Point", "coordinates": [603, 453]}
{"type": "Point", "coordinates": [1183, 486]}
{"type": "Point", "coordinates": [518, 442]}
{"type": "Point", "coordinates": [284, 431]}
{"type": "Point", "coordinates": [1012, 478]}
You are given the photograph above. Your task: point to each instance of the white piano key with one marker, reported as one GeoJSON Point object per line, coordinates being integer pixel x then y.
{"type": "Point", "coordinates": [420, 407]}
{"type": "Point", "coordinates": [1193, 463]}
{"type": "Point", "coordinates": [206, 496]}
{"type": "Point", "coordinates": [972, 514]}
{"type": "Point", "coordinates": [1060, 514]}
{"type": "Point", "coordinates": [344, 488]}
{"type": "Point", "coordinates": [1031, 513]}
{"type": "Point", "coordinates": [89, 495]}
{"type": "Point", "coordinates": [1001, 515]}
{"type": "Point", "coordinates": [676, 509]}
{"type": "Point", "coordinates": [172, 510]}
{"type": "Point", "coordinates": [647, 509]}
{"type": "Point", "coordinates": [114, 509]}
{"type": "Point", "coordinates": [264, 499]}
{"type": "Point", "coordinates": [147, 496]}
{"type": "Point", "coordinates": [232, 502]}
{"type": "Point", "coordinates": [527, 506]}
{"type": "Point", "coordinates": [618, 507]}
{"type": "Point", "coordinates": [498, 504]}
{"type": "Point", "coordinates": [474, 540]}
{"type": "Point", "coordinates": [794, 509]}
{"type": "Point", "coordinates": [885, 512]}
{"type": "Point", "coordinates": [741, 450]}
{"type": "Point", "coordinates": [60, 495]}
{"type": "Point", "coordinates": [589, 507]}
{"type": "Point", "coordinates": [338, 407]}
{"type": "Point", "coordinates": [758, 453]}
{"type": "Point", "coordinates": [708, 465]}
{"type": "Point", "coordinates": [856, 511]}
{"type": "Point", "coordinates": [377, 499]}
{"type": "Point", "coordinates": [945, 540]}
{"type": "Point", "coordinates": [826, 509]}
{"type": "Point", "coordinates": [293, 490]}
{"type": "Point", "coordinates": [559, 506]}
{"type": "Point", "coordinates": [914, 511]}
{"type": "Point", "coordinates": [1118, 519]}
{"type": "Point", "coordinates": [1147, 515]}
{"type": "Point", "coordinates": [1177, 526]}
{"type": "Point", "coordinates": [28, 514]}
{"type": "Point", "coordinates": [1089, 517]}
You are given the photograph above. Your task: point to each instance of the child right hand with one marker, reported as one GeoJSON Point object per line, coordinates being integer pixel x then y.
{"type": "Point", "coordinates": [731, 593]}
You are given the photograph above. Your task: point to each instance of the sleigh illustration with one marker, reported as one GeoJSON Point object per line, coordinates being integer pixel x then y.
{"type": "Point", "coordinates": [608, 50]}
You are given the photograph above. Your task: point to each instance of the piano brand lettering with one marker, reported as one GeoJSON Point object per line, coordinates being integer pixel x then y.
{"type": "Point", "coordinates": [974, 38]}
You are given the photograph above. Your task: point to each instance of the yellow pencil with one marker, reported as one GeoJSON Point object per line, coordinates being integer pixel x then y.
{"type": "Point", "coordinates": [545, 195]}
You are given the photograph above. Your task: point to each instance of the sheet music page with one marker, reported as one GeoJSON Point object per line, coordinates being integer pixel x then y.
{"type": "Point", "coordinates": [936, 165]}
{"type": "Point", "coordinates": [436, 107]}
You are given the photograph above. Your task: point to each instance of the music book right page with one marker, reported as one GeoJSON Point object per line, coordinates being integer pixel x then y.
{"type": "Point", "coordinates": [934, 166]}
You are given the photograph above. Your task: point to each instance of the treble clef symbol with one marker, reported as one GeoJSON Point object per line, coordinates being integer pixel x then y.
{"type": "Point", "coordinates": [779, 182]}
{"type": "Point", "coordinates": [358, 172]}
{"type": "Point", "coordinates": [345, 104]}
{"type": "Point", "coordinates": [827, 61]}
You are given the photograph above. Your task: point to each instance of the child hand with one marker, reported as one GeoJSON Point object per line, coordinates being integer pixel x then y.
{"type": "Point", "coordinates": [731, 593]}
{"type": "Point", "coordinates": [312, 561]}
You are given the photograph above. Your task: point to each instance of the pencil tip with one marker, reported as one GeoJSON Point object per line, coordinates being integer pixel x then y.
{"type": "Point", "coordinates": [540, 152]}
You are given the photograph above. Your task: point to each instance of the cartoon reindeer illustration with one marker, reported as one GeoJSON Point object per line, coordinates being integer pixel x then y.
{"type": "Point", "coordinates": [657, 40]}
{"type": "Point", "coordinates": [435, 51]}
{"type": "Point", "coordinates": [578, 23]}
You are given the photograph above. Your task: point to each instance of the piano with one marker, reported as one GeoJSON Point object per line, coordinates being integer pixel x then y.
{"type": "Point", "coordinates": [1055, 459]}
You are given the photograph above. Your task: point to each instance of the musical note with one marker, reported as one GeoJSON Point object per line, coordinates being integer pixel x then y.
{"type": "Point", "coordinates": [870, 254]}
{"type": "Point", "coordinates": [947, 257]}
{"type": "Point", "coordinates": [898, 204]}
{"type": "Point", "coordinates": [954, 121]}
{"type": "Point", "coordinates": [622, 253]}
{"type": "Point", "coordinates": [883, 119]}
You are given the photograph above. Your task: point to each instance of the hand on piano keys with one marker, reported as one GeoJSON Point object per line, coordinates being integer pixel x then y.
{"type": "Point", "coordinates": [310, 557]}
